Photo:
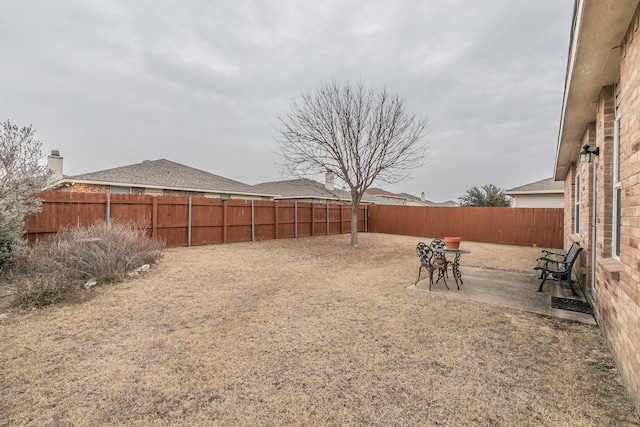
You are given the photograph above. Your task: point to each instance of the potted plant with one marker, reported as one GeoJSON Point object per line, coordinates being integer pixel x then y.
{"type": "Point", "coordinates": [452, 242]}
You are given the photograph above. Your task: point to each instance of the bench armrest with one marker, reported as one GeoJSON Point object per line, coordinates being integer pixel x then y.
{"type": "Point", "coordinates": [547, 253]}
{"type": "Point", "coordinates": [553, 266]}
{"type": "Point", "coordinates": [549, 258]}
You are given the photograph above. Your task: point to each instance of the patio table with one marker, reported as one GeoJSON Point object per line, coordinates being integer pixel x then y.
{"type": "Point", "coordinates": [455, 264]}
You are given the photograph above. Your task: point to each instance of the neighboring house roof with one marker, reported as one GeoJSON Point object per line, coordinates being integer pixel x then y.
{"type": "Point", "coordinates": [380, 194]}
{"type": "Point", "coordinates": [302, 189]}
{"type": "Point", "coordinates": [164, 174]}
{"type": "Point", "coordinates": [416, 199]}
{"type": "Point", "coordinates": [545, 186]}
{"type": "Point", "coordinates": [594, 62]}
{"type": "Point", "coordinates": [448, 204]}
{"type": "Point", "coordinates": [427, 202]}
{"type": "Point", "coordinates": [383, 193]}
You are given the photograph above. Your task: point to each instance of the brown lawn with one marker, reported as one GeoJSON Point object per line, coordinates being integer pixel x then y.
{"type": "Point", "coordinates": [303, 332]}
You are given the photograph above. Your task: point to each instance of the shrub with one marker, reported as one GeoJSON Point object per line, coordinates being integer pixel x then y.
{"type": "Point", "coordinates": [55, 268]}
{"type": "Point", "coordinates": [40, 289]}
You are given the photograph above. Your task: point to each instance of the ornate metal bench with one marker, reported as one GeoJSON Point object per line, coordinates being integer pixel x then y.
{"type": "Point", "coordinates": [559, 256]}
{"type": "Point", "coordinates": [558, 270]}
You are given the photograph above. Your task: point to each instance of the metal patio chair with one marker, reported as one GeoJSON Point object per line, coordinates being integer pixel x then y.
{"type": "Point", "coordinates": [430, 262]}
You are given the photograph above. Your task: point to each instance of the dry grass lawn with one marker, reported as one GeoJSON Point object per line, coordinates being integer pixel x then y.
{"type": "Point", "coordinates": [303, 332]}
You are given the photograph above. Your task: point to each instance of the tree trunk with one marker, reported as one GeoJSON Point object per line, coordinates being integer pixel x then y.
{"type": "Point", "coordinates": [354, 223]}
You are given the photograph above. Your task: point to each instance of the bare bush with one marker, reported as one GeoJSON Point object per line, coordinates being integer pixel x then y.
{"type": "Point", "coordinates": [53, 268]}
{"type": "Point", "coordinates": [40, 289]}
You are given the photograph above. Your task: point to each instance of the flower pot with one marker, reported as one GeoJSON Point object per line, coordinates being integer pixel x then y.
{"type": "Point", "coordinates": [452, 242]}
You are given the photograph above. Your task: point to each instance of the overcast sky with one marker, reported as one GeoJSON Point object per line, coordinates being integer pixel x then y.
{"type": "Point", "coordinates": [112, 83]}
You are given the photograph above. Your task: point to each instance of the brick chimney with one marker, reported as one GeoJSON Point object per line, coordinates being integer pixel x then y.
{"type": "Point", "coordinates": [55, 163]}
{"type": "Point", "coordinates": [328, 181]}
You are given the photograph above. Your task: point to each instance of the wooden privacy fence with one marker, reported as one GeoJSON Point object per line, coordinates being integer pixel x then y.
{"type": "Point", "coordinates": [508, 226]}
{"type": "Point", "coordinates": [191, 221]}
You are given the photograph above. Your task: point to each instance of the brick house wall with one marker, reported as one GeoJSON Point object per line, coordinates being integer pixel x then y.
{"type": "Point", "coordinates": [182, 193]}
{"type": "Point", "coordinates": [586, 188]}
{"type": "Point", "coordinates": [569, 207]}
{"type": "Point", "coordinates": [85, 188]}
{"type": "Point", "coordinates": [623, 325]}
{"type": "Point", "coordinates": [605, 113]}
{"type": "Point", "coordinates": [99, 188]}
{"type": "Point", "coordinates": [615, 295]}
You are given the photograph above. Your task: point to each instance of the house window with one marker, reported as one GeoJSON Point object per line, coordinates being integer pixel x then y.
{"type": "Point", "coordinates": [576, 221]}
{"type": "Point", "coordinates": [153, 191]}
{"type": "Point", "coordinates": [117, 189]}
{"type": "Point", "coordinates": [617, 191]}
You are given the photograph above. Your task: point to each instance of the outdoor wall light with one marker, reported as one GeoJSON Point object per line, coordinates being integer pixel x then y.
{"type": "Point", "coordinates": [587, 151]}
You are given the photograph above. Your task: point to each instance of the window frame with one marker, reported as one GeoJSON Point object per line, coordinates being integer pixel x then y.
{"type": "Point", "coordinates": [119, 189]}
{"type": "Point", "coordinates": [576, 201]}
{"type": "Point", "coordinates": [617, 188]}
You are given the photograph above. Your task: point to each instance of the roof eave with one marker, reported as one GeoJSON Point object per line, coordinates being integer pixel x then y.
{"type": "Point", "coordinates": [522, 193]}
{"type": "Point", "coordinates": [594, 62]}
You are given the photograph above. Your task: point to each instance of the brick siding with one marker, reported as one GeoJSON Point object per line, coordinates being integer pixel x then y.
{"type": "Point", "coordinates": [86, 188]}
{"type": "Point", "coordinates": [616, 297]}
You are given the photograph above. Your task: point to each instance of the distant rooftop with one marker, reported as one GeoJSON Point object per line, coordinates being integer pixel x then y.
{"type": "Point", "coordinates": [302, 188]}
{"type": "Point", "coordinates": [548, 185]}
{"type": "Point", "coordinates": [383, 193]}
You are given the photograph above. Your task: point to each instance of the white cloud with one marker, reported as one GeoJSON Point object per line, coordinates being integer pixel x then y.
{"type": "Point", "coordinates": [201, 82]}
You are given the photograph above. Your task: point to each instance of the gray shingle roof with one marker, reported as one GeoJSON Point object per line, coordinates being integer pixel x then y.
{"type": "Point", "coordinates": [543, 186]}
{"type": "Point", "coordinates": [448, 204]}
{"type": "Point", "coordinates": [416, 199]}
{"type": "Point", "coordinates": [166, 174]}
{"type": "Point", "coordinates": [302, 189]}
{"type": "Point", "coordinates": [383, 193]}
{"type": "Point", "coordinates": [427, 202]}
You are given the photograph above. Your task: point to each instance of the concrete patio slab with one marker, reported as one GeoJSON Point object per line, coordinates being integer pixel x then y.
{"type": "Point", "coordinates": [509, 289]}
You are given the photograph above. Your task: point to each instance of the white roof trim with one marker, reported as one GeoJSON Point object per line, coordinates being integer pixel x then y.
{"type": "Point", "coordinates": [524, 192]}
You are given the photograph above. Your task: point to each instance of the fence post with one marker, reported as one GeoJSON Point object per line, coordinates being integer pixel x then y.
{"type": "Point", "coordinates": [313, 217]}
{"type": "Point", "coordinates": [295, 218]}
{"type": "Point", "coordinates": [341, 218]}
{"type": "Point", "coordinates": [154, 216]}
{"type": "Point", "coordinates": [275, 207]}
{"type": "Point", "coordinates": [189, 225]}
{"type": "Point", "coordinates": [327, 218]}
{"type": "Point", "coordinates": [224, 221]}
{"type": "Point", "coordinates": [108, 213]}
{"type": "Point", "coordinates": [366, 218]}
{"type": "Point", "coordinates": [253, 224]}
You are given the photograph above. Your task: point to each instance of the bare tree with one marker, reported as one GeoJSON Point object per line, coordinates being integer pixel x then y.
{"type": "Point", "coordinates": [357, 134]}
{"type": "Point", "coordinates": [21, 175]}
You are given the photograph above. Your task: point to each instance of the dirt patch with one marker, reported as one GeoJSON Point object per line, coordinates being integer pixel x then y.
{"type": "Point", "coordinates": [303, 332]}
